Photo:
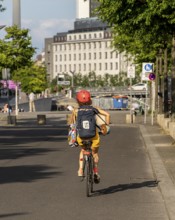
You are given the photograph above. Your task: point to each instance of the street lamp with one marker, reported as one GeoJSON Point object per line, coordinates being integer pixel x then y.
{"type": "Point", "coordinates": [73, 73]}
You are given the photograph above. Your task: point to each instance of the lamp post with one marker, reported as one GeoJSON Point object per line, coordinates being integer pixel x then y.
{"type": "Point", "coordinates": [72, 72]}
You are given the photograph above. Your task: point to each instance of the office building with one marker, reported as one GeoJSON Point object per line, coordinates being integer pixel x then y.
{"type": "Point", "coordinates": [87, 48]}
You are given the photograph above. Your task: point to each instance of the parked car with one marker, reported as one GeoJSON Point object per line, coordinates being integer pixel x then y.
{"type": "Point", "coordinates": [139, 86]}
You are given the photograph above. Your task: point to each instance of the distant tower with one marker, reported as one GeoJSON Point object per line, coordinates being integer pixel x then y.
{"type": "Point", "coordinates": [85, 8]}
{"type": "Point", "coordinates": [17, 13]}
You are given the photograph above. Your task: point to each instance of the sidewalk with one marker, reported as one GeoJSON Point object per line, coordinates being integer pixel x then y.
{"type": "Point", "coordinates": [161, 150]}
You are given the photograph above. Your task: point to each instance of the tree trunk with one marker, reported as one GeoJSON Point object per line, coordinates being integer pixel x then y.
{"type": "Point", "coordinates": [173, 78]}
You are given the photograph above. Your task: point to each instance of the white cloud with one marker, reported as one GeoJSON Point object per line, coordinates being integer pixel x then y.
{"type": "Point", "coordinates": [41, 29]}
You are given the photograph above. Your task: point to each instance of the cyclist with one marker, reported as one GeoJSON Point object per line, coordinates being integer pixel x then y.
{"type": "Point", "coordinates": [84, 98]}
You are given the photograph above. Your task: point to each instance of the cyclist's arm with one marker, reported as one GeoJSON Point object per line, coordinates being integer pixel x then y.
{"type": "Point", "coordinates": [73, 116]}
{"type": "Point", "coordinates": [106, 114]}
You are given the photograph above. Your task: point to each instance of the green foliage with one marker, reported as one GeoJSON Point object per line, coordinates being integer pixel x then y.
{"type": "Point", "coordinates": [33, 79]}
{"type": "Point", "coordinates": [140, 27]}
{"type": "Point", "coordinates": [15, 49]}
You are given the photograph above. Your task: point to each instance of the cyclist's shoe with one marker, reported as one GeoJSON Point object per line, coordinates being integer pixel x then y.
{"type": "Point", "coordinates": [96, 178]}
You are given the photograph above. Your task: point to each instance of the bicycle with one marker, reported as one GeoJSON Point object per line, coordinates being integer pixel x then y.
{"type": "Point", "coordinates": [88, 167]}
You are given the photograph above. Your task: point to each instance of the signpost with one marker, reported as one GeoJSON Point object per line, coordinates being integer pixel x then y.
{"type": "Point", "coordinates": [147, 75]}
{"type": "Point", "coordinates": [131, 74]}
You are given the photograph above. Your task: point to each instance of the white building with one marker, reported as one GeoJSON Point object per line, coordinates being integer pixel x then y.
{"type": "Point", "coordinates": [85, 49]}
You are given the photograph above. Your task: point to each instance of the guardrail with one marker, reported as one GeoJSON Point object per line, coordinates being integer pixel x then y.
{"type": "Point", "coordinates": [114, 92]}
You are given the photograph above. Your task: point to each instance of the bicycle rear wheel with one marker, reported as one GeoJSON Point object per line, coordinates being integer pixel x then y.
{"type": "Point", "coordinates": [89, 177]}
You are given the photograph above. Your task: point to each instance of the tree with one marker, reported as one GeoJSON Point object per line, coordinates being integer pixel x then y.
{"type": "Point", "coordinates": [142, 28]}
{"type": "Point", "coordinates": [32, 79]}
{"type": "Point", "coordinates": [1, 6]}
{"type": "Point", "coordinates": [16, 50]}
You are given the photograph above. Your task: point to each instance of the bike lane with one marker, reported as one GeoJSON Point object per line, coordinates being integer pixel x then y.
{"type": "Point", "coordinates": [38, 177]}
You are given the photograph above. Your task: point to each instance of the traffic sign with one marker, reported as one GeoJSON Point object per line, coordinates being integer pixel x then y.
{"type": "Point", "coordinates": [65, 83]}
{"type": "Point", "coordinates": [131, 71]}
{"type": "Point", "coordinates": [147, 68]}
{"type": "Point", "coordinates": [152, 76]}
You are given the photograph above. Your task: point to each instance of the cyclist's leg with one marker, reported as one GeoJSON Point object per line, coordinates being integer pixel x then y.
{"type": "Point", "coordinates": [80, 170]}
{"type": "Point", "coordinates": [95, 148]}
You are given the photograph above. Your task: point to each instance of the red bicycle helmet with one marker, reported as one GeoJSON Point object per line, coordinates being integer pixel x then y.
{"type": "Point", "coordinates": [83, 96]}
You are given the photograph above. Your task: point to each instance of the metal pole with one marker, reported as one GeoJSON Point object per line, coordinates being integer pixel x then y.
{"type": "Point", "coordinates": [16, 99]}
{"type": "Point", "coordinates": [146, 103]}
{"type": "Point", "coordinates": [131, 114]}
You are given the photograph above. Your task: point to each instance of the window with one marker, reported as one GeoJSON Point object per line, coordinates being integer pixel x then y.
{"type": "Point", "coordinates": [56, 68]}
{"type": "Point", "coordinates": [79, 67]}
{"type": "Point", "coordinates": [99, 55]}
{"type": "Point", "coordinates": [84, 56]}
{"type": "Point", "coordinates": [65, 57]}
{"type": "Point", "coordinates": [111, 55]}
{"type": "Point", "coordinates": [116, 65]}
{"type": "Point", "coordinates": [60, 57]}
{"type": "Point", "coordinates": [79, 56]}
{"type": "Point", "coordinates": [89, 67]}
{"type": "Point", "coordinates": [74, 56]}
{"type": "Point", "coordinates": [64, 68]}
{"type": "Point", "coordinates": [89, 56]}
{"type": "Point", "coordinates": [89, 45]}
{"type": "Point", "coordinates": [84, 67]}
{"type": "Point", "coordinates": [111, 66]}
{"type": "Point", "coordinates": [95, 66]}
{"type": "Point", "coordinates": [56, 58]}
{"type": "Point", "coordinates": [99, 66]}
{"type": "Point", "coordinates": [84, 45]}
{"type": "Point", "coordinates": [69, 57]}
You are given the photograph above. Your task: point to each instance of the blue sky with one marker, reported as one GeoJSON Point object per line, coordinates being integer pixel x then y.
{"type": "Point", "coordinates": [44, 18]}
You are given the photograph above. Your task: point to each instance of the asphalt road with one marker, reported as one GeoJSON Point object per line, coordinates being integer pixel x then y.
{"type": "Point", "coordinates": [38, 177]}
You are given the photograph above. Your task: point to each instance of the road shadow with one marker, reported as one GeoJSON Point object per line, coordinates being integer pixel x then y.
{"type": "Point", "coordinates": [124, 187]}
{"type": "Point", "coordinates": [26, 173]}
{"type": "Point", "coordinates": [14, 136]}
{"type": "Point", "coordinates": [14, 153]}
{"type": "Point", "coordinates": [12, 214]}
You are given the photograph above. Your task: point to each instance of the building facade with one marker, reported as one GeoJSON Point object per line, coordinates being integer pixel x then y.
{"type": "Point", "coordinates": [87, 48]}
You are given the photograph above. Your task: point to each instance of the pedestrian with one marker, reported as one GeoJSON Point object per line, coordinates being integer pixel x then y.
{"type": "Point", "coordinates": [32, 102]}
